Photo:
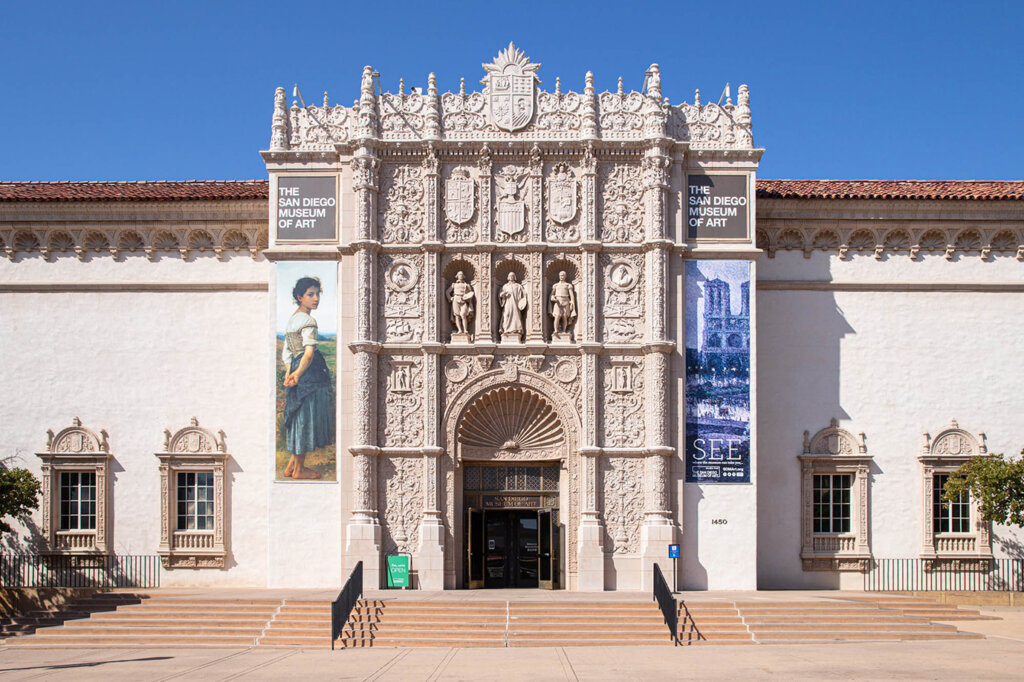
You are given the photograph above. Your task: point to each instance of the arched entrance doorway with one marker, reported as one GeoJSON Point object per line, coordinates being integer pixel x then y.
{"type": "Point", "coordinates": [512, 461]}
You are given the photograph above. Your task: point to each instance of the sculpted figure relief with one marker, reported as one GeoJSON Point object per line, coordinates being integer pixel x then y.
{"type": "Point", "coordinates": [512, 300]}
{"type": "Point", "coordinates": [563, 305]}
{"type": "Point", "coordinates": [460, 295]}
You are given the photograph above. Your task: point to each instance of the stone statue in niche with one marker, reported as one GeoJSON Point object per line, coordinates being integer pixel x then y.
{"type": "Point", "coordinates": [512, 300]}
{"type": "Point", "coordinates": [563, 309]}
{"type": "Point", "coordinates": [460, 295]}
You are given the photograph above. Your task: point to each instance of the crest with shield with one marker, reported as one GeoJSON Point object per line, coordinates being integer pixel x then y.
{"type": "Point", "coordinates": [459, 197]}
{"type": "Point", "coordinates": [510, 82]}
{"type": "Point", "coordinates": [562, 195]}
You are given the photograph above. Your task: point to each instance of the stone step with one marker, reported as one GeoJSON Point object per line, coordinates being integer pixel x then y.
{"type": "Point", "coordinates": [152, 623]}
{"type": "Point", "coordinates": [850, 627]}
{"type": "Point", "coordinates": [828, 636]}
{"type": "Point", "coordinates": [129, 640]}
{"type": "Point", "coordinates": [155, 631]}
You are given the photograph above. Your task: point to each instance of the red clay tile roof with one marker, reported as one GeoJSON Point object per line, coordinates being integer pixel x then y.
{"type": "Point", "coordinates": [889, 189]}
{"type": "Point", "coordinates": [199, 190]}
{"type": "Point", "coordinates": [162, 190]}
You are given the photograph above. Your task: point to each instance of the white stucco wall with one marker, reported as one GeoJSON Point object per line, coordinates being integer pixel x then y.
{"type": "Point", "coordinates": [135, 363]}
{"type": "Point", "coordinates": [891, 364]}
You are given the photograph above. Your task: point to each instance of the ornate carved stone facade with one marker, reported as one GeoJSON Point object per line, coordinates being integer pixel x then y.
{"type": "Point", "coordinates": [510, 253]}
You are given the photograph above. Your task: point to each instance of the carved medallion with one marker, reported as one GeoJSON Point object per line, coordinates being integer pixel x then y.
{"type": "Point", "coordinates": [562, 195]}
{"type": "Point", "coordinates": [459, 197]}
{"type": "Point", "coordinates": [622, 276]}
{"type": "Point", "coordinates": [510, 89]}
{"type": "Point", "coordinates": [566, 371]}
{"type": "Point", "coordinates": [456, 371]}
{"type": "Point", "coordinates": [403, 275]}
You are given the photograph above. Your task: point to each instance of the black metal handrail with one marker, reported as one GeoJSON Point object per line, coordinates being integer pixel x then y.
{"type": "Point", "coordinates": [667, 603]}
{"type": "Point", "coordinates": [341, 608]}
{"type": "Point", "coordinates": [688, 618]}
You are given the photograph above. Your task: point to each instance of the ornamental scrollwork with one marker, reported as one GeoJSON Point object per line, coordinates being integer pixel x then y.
{"type": "Point", "coordinates": [622, 210]}
{"type": "Point", "coordinates": [401, 408]}
{"type": "Point", "coordinates": [401, 502]}
{"type": "Point", "coordinates": [402, 216]}
{"type": "Point", "coordinates": [623, 497]}
{"type": "Point", "coordinates": [622, 381]}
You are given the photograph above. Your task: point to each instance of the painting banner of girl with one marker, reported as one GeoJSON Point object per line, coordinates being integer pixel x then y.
{"type": "Point", "coordinates": [306, 365]}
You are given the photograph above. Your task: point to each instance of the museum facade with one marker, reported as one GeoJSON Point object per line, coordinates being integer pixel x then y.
{"type": "Point", "coordinates": [526, 338]}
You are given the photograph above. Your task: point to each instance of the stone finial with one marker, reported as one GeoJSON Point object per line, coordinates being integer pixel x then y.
{"type": "Point", "coordinates": [279, 123]}
{"type": "Point", "coordinates": [167, 440]}
{"type": "Point", "coordinates": [654, 81]}
{"type": "Point", "coordinates": [558, 86]}
{"type": "Point", "coordinates": [49, 439]}
{"type": "Point", "coordinates": [620, 85]}
{"type": "Point", "coordinates": [431, 114]}
{"type": "Point", "coordinates": [742, 111]}
{"type": "Point", "coordinates": [807, 442]}
{"type": "Point", "coordinates": [588, 109]}
{"type": "Point", "coordinates": [327, 100]}
{"type": "Point", "coordinates": [401, 86]}
{"type": "Point", "coordinates": [696, 97]}
{"type": "Point", "coordinates": [462, 86]}
{"type": "Point", "coordinates": [367, 105]}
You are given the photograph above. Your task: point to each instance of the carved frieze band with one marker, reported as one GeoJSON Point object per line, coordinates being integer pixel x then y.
{"type": "Point", "coordinates": [881, 242]}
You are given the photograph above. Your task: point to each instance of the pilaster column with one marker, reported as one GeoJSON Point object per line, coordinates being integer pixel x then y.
{"type": "Point", "coordinates": [537, 303]}
{"type": "Point", "coordinates": [484, 298]}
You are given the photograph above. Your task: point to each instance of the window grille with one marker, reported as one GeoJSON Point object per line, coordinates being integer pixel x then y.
{"type": "Point", "coordinates": [832, 503]}
{"type": "Point", "coordinates": [949, 517]}
{"type": "Point", "coordinates": [195, 500]}
{"type": "Point", "coordinates": [78, 500]}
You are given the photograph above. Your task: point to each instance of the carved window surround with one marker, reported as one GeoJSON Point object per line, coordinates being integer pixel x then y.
{"type": "Point", "coordinates": [835, 451]}
{"type": "Point", "coordinates": [944, 454]}
{"type": "Point", "coordinates": [192, 449]}
{"type": "Point", "coordinates": [76, 449]}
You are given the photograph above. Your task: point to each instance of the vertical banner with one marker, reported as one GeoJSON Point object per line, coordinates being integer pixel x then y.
{"type": "Point", "coordinates": [307, 339]}
{"type": "Point", "coordinates": [717, 371]}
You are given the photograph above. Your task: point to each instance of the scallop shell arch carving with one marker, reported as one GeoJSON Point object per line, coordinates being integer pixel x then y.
{"type": "Point", "coordinates": [511, 418]}
{"type": "Point", "coordinates": [834, 441]}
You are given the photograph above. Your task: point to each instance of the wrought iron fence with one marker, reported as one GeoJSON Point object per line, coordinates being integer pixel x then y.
{"type": "Point", "coordinates": [918, 575]}
{"type": "Point", "coordinates": [61, 570]}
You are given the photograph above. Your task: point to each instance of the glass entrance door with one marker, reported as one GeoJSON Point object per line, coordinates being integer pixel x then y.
{"type": "Point", "coordinates": [548, 568]}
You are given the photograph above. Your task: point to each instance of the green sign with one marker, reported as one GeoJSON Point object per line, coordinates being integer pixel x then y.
{"type": "Point", "coordinates": [398, 571]}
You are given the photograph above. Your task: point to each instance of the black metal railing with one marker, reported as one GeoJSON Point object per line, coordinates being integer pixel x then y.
{"type": "Point", "coordinates": [688, 627]}
{"type": "Point", "coordinates": [667, 603]}
{"type": "Point", "coordinates": [920, 575]}
{"type": "Point", "coordinates": [341, 608]}
{"type": "Point", "coordinates": [84, 570]}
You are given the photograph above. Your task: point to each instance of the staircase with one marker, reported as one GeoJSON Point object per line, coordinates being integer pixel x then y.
{"type": "Point", "coordinates": [869, 618]}
{"type": "Point", "coordinates": [119, 620]}
{"type": "Point", "coordinates": [126, 620]}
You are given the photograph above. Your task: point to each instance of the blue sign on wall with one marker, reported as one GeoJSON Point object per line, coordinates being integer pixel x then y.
{"type": "Point", "coordinates": [673, 551]}
{"type": "Point", "coordinates": [717, 372]}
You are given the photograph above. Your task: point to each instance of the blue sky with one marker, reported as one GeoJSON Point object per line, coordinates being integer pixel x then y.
{"type": "Point", "coordinates": [181, 90]}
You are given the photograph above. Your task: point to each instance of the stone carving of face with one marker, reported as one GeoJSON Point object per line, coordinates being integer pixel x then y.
{"type": "Point", "coordinates": [561, 276]}
{"type": "Point", "coordinates": [459, 277]}
{"type": "Point", "coordinates": [511, 277]}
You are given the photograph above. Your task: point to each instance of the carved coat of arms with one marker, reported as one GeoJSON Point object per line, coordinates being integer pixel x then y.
{"type": "Point", "coordinates": [510, 83]}
{"type": "Point", "coordinates": [511, 208]}
{"type": "Point", "coordinates": [562, 195]}
{"type": "Point", "coordinates": [459, 197]}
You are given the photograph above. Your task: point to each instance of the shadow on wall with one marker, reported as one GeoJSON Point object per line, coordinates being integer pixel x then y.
{"type": "Point", "coordinates": [799, 337]}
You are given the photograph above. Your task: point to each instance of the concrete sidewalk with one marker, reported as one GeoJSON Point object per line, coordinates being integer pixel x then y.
{"type": "Point", "coordinates": [991, 659]}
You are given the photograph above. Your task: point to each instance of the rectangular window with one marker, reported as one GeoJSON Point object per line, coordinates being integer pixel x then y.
{"type": "Point", "coordinates": [949, 517]}
{"type": "Point", "coordinates": [78, 500]}
{"type": "Point", "coordinates": [195, 500]}
{"type": "Point", "coordinates": [832, 503]}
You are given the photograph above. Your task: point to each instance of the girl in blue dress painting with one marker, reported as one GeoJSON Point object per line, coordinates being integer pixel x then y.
{"type": "Point", "coordinates": [309, 394]}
